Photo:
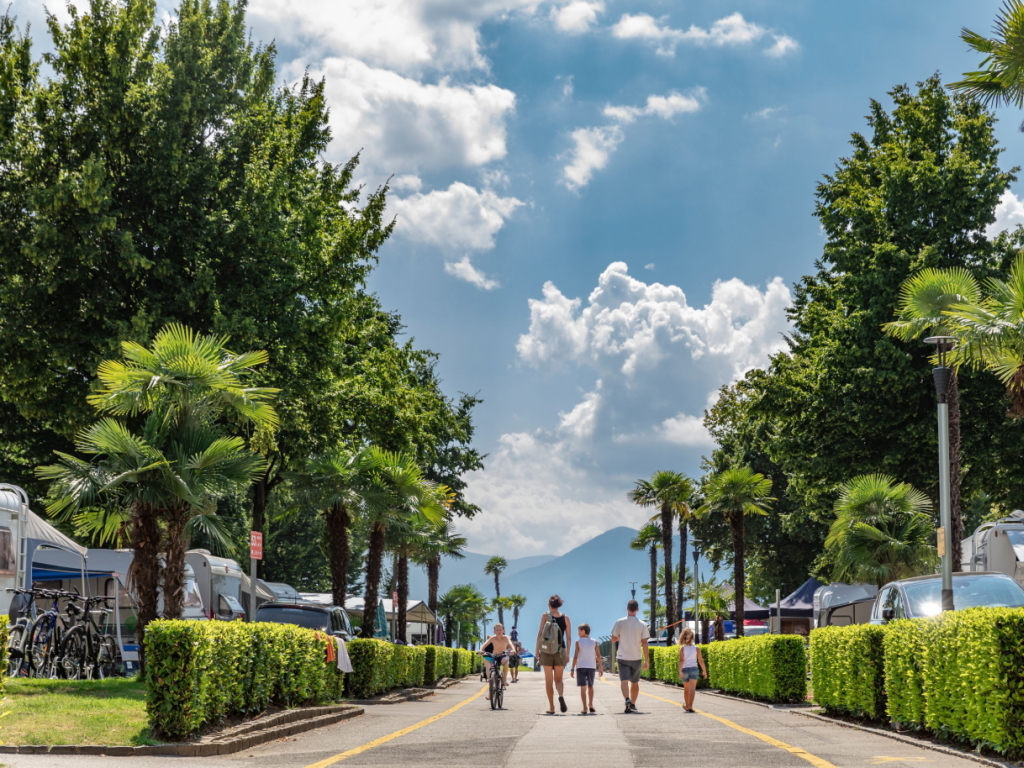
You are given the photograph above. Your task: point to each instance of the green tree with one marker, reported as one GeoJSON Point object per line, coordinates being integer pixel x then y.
{"type": "Point", "coordinates": [883, 531]}
{"type": "Point", "coordinates": [734, 494]}
{"type": "Point", "coordinates": [494, 567]}
{"type": "Point", "coordinates": [440, 542]}
{"type": "Point", "coordinates": [518, 602]}
{"type": "Point", "coordinates": [462, 606]}
{"type": "Point", "coordinates": [1001, 79]}
{"type": "Point", "coordinates": [670, 492]}
{"type": "Point", "coordinates": [649, 538]}
{"type": "Point", "coordinates": [713, 606]}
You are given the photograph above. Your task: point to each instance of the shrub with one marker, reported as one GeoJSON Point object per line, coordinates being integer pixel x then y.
{"type": "Point", "coordinates": [201, 671]}
{"type": "Point", "coordinates": [666, 663]}
{"type": "Point", "coordinates": [437, 662]}
{"type": "Point", "coordinates": [464, 662]}
{"type": "Point", "coordinates": [847, 669]}
{"type": "Point", "coordinates": [372, 668]}
{"type": "Point", "coordinates": [3, 655]}
{"type": "Point", "coordinates": [768, 667]}
{"type": "Point", "coordinates": [904, 676]}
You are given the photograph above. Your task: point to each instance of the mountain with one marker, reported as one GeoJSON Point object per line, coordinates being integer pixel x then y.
{"type": "Point", "coordinates": [469, 570]}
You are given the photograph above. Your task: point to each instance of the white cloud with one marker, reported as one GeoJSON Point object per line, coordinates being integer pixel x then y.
{"type": "Point", "coordinates": [1009, 214]}
{"type": "Point", "coordinates": [732, 30]}
{"type": "Point", "coordinates": [464, 270]}
{"type": "Point", "coordinates": [458, 218]}
{"type": "Point", "coordinates": [567, 87]}
{"type": "Point", "coordinates": [590, 152]}
{"type": "Point", "coordinates": [662, 106]}
{"type": "Point", "coordinates": [686, 430]}
{"type": "Point", "coordinates": [407, 183]}
{"type": "Point", "coordinates": [765, 114]}
{"type": "Point", "coordinates": [649, 266]}
{"type": "Point", "coordinates": [581, 421]}
{"type": "Point", "coordinates": [577, 17]}
{"type": "Point", "coordinates": [404, 125]}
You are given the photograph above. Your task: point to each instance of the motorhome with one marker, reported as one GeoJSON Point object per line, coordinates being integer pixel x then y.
{"type": "Point", "coordinates": [839, 604]}
{"type": "Point", "coordinates": [996, 546]}
{"type": "Point", "coordinates": [223, 585]}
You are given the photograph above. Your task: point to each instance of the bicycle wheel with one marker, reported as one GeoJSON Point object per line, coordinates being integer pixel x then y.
{"type": "Point", "coordinates": [494, 691]}
{"type": "Point", "coordinates": [501, 695]}
{"type": "Point", "coordinates": [15, 650]}
{"type": "Point", "coordinates": [73, 660]}
{"type": "Point", "coordinates": [42, 647]}
{"type": "Point", "coordinates": [108, 658]}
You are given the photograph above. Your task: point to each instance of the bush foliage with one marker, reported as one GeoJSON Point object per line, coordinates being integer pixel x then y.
{"type": "Point", "coordinates": [767, 667]}
{"type": "Point", "coordinates": [201, 671]}
{"type": "Point", "coordinates": [903, 649]}
{"type": "Point", "coordinates": [847, 670]}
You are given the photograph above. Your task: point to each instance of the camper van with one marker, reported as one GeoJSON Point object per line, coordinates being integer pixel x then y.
{"type": "Point", "coordinates": [838, 605]}
{"type": "Point", "coordinates": [223, 585]}
{"type": "Point", "coordinates": [997, 546]}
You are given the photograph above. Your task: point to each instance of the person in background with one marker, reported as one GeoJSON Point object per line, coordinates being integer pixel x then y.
{"type": "Point", "coordinates": [691, 665]}
{"type": "Point", "coordinates": [514, 634]}
{"type": "Point", "coordinates": [516, 660]}
{"type": "Point", "coordinates": [552, 652]}
{"type": "Point", "coordinates": [631, 634]}
{"type": "Point", "coordinates": [586, 661]}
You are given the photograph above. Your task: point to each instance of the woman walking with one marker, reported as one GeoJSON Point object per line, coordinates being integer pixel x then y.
{"type": "Point", "coordinates": [553, 652]}
{"type": "Point", "coordinates": [689, 659]}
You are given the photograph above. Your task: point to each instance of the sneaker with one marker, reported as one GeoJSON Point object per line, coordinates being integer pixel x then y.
{"type": "Point", "coordinates": [629, 707]}
{"type": "Point", "coordinates": [632, 708]}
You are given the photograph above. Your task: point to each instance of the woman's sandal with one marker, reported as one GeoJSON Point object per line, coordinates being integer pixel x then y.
{"type": "Point", "coordinates": [562, 705]}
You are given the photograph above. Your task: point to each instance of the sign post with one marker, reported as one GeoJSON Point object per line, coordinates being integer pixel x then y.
{"type": "Point", "coordinates": [255, 553]}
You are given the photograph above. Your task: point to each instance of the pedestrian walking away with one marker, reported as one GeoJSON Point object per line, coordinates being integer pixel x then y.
{"type": "Point", "coordinates": [552, 652]}
{"type": "Point", "coordinates": [631, 634]}
{"type": "Point", "coordinates": [691, 666]}
{"type": "Point", "coordinates": [586, 661]}
{"type": "Point", "coordinates": [516, 660]}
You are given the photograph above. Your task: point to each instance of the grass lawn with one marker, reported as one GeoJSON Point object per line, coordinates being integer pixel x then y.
{"type": "Point", "coordinates": [74, 712]}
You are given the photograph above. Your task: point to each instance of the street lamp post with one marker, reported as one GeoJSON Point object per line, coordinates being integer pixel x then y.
{"type": "Point", "coordinates": [941, 374]}
{"type": "Point", "coordinates": [696, 588]}
{"type": "Point", "coordinates": [632, 589]}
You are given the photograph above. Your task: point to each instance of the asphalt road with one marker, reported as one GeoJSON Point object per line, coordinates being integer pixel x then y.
{"type": "Point", "coordinates": [465, 733]}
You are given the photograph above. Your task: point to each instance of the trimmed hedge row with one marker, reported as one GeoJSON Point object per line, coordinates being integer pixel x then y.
{"type": "Point", "coordinates": [767, 667]}
{"type": "Point", "coordinates": [201, 671]}
{"type": "Point", "coordinates": [466, 663]}
{"type": "Point", "coordinates": [378, 666]}
{"type": "Point", "coordinates": [438, 662]}
{"type": "Point", "coordinates": [959, 675]}
{"type": "Point", "coordinates": [847, 669]}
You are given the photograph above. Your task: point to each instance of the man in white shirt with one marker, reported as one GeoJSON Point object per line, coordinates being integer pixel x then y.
{"type": "Point", "coordinates": [631, 634]}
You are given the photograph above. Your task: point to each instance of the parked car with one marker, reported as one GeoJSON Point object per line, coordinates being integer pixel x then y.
{"type": "Point", "coordinates": [921, 596]}
{"type": "Point", "coordinates": [327, 618]}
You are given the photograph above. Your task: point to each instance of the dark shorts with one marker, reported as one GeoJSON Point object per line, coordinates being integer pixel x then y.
{"type": "Point", "coordinates": [629, 670]}
{"type": "Point", "coordinates": [690, 673]}
{"type": "Point", "coordinates": [585, 677]}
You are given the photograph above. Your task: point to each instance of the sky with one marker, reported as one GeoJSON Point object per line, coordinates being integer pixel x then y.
{"type": "Point", "coordinates": [601, 206]}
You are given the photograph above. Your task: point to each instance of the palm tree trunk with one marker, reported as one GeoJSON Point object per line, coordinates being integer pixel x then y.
{"type": "Point", "coordinates": [739, 585]}
{"type": "Point", "coordinates": [704, 631]}
{"type": "Point", "coordinates": [433, 579]}
{"type": "Point", "coordinates": [654, 591]}
{"type": "Point", "coordinates": [681, 578]}
{"type": "Point", "coordinates": [145, 568]}
{"type": "Point", "coordinates": [374, 561]}
{"type": "Point", "coordinates": [956, 519]}
{"type": "Point", "coordinates": [403, 597]}
{"type": "Point", "coordinates": [174, 564]}
{"type": "Point", "coordinates": [448, 621]}
{"type": "Point", "coordinates": [338, 522]}
{"type": "Point", "coordinates": [497, 597]}
{"type": "Point", "coordinates": [666, 546]}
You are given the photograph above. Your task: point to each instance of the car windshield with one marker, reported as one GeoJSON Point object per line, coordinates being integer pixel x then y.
{"type": "Point", "coordinates": [304, 617]}
{"type": "Point", "coordinates": [925, 597]}
{"type": "Point", "coordinates": [1017, 542]}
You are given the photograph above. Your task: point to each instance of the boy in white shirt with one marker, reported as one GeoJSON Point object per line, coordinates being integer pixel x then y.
{"type": "Point", "coordinates": [586, 659]}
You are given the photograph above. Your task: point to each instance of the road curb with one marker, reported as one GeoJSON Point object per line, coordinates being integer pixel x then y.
{"type": "Point", "coordinates": [397, 698]}
{"type": "Point", "coordinates": [234, 740]}
{"type": "Point", "coordinates": [946, 750]}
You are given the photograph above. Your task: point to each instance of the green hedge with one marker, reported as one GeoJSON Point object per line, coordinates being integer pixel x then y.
{"type": "Point", "coordinates": [465, 662]}
{"type": "Point", "coordinates": [767, 667]}
{"type": "Point", "coordinates": [847, 669]}
{"type": "Point", "coordinates": [201, 671]}
{"type": "Point", "coordinates": [666, 663]}
{"type": "Point", "coordinates": [3, 655]}
{"type": "Point", "coordinates": [904, 676]}
{"type": "Point", "coordinates": [438, 662]}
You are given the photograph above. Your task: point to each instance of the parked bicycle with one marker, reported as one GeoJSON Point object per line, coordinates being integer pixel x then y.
{"type": "Point", "coordinates": [44, 637]}
{"type": "Point", "coordinates": [86, 652]}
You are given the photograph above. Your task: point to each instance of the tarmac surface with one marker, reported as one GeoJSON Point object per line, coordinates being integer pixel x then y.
{"type": "Point", "coordinates": [456, 728]}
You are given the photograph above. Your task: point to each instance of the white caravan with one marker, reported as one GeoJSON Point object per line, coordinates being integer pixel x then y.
{"type": "Point", "coordinates": [997, 546]}
{"type": "Point", "coordinates": [223, 585]}
{"type": "Point", "coordinates": [838, 605]}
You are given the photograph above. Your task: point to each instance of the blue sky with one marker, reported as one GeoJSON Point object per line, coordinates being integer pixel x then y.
{"type": "Point", "coordinates": [601, 206]}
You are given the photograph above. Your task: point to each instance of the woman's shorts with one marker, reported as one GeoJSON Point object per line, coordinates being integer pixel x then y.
{"type": "Point", "coordinates": [585, 677]}
{"type": "Point", "coordinates": [559, 659]}
{"type": "Point", "coordinates": [689, 673]}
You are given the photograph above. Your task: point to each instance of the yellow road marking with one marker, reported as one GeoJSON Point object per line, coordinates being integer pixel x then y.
{"type": "Point", "coordinates": [880, 760]}
{"type": "Point", "coordinates": [385, 739]}
{"type": "Point", "coordinates": [803, 754]}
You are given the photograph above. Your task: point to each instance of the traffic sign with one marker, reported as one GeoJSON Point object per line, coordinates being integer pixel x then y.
{"type": "Point", "coordinates": [255, 545]}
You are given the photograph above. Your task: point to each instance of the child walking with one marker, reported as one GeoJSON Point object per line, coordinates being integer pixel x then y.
{"type": "Point", "coordinates": [689, 657]}
{"type": "Point", "coordinates": [586, 660]}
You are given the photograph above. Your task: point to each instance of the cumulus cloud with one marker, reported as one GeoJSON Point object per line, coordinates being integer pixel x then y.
{"type": "Point", "coordinates": [405, 125]}
{"type": "Point", "coordinates": [732, 30]}
{"type": "Point", "coordinates": [464, 270]}
{"type": "Point", "coordinates": [577, 17]}
{"type": "Point", "coordinates": [662, 106]}
{"type": "Point", "coordinates": [458, 218]}
{"type": "Point", "coordinates": [1009, 214]}
{"type": "Point", "coordinates": [684, 429]}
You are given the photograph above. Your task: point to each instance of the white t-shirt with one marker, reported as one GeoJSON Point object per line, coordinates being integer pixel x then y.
{"type": "Point", "coordinates": [630, 631]}
{"type": "Point", "coordinates": [588, 653]}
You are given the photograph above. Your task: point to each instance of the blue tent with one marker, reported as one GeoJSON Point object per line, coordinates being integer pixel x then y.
{"type": "Point", "coordinates": [800, 603]}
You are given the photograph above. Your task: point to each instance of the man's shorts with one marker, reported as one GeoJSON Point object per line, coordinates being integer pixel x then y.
{"type": "Point", "coordinates": [585, 677]}
{"type": "Point", "coordinates": [554, 659]}
{"type": "Point", "coordinates": [690, 673]}
{"type": "Point", "coordinates": [629, 670]}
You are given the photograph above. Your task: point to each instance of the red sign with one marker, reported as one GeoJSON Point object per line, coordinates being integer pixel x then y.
{"type": "Point", "coordinates": [255, 545]}
{"type": "Point", "coordinates": [394, 598]}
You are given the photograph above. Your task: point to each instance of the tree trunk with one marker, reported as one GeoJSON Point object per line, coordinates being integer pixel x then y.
{"type": "Point", "coordinates": [704, 631]}
{"type": "Point", "coordinates": [374, 561]}
{"type": "Point", "coordinates": [338, 522]}
{"type": "Point", "coordinates": [497, 599]}
{"type": "Point", "coordinates": [666, 546]}
{"type": "Point", "coordinates": [448, 631]}
{"type": "Point", "coordinates": [144, 570]}
{"type": "Point", "coordinates": [433, 579]}
{"type": "Point", "coordinates": [956, 519]}
{"type": "Point", "coordinates": [681, 578]}
{"type": "Point", "coordinates": [654, 591]}
{"type": "Point", "coordinates": [736, 522]}
{"type": "Point", "coordinates": [403, 597]}
{"type": "Point", "coordinates": [174, 563]}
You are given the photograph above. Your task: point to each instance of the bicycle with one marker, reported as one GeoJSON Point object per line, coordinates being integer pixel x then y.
{"type": "Point", "coordinates": [86, 652]}
{"type": "Point", "coordinates": [497, 685]}
{"type": "Point", "coordinates": [44, 636]}
{"type": "Point", "coordinates": [18, 632]}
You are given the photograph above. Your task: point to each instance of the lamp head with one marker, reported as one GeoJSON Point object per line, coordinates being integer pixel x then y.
{"type": "Point", "coordinates": [943, 345]}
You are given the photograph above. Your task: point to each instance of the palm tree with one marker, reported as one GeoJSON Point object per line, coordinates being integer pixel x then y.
{"type": "Point", "coordinates": [685, 514]}
{"type": "Point", "coordinates": [494, 567]}
{"type": "Point", "coordinates": [441, 541]}
{"type": "Point", "coordinates": [713, 605]}
{"type": "Point", "coordinates": [670, 492]}
{"type": "Point", "coordinates": [649, 538]}
{"type": "Point", "coordinates": [882, 532]}
{"type": "Point", "coordinates": [518, 603]}
{"type": "Point", "coordinates": [1001, 79]}
{"type": "Point", "coordinates": [736, 493]}
{"type": "Point", "coordinates": [463, 603]}
{"type": "Point", "coordinates": [400, 497]}
{"type": "Point", "coordinates": [925, 299]}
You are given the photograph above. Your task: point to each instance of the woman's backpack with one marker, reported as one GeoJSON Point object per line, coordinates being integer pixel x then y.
{"type": "Point", "coordinates": [551, 637]}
